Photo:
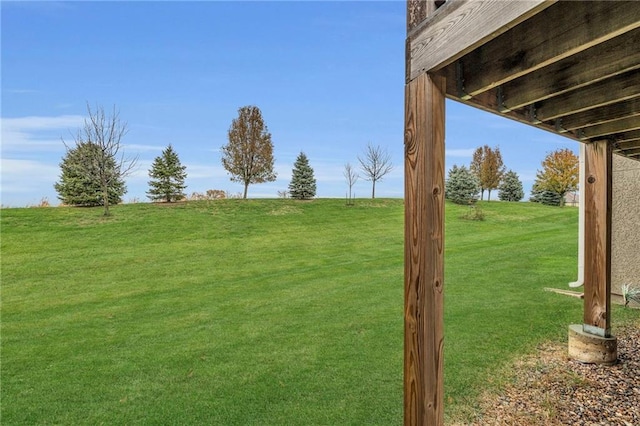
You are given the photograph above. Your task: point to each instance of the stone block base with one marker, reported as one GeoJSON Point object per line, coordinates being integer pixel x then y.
{"type": "Point", "coordinates": [591, 349]}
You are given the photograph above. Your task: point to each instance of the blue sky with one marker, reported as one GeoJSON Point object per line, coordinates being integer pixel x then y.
{"type": "Point", "coordinates": [327, 75]}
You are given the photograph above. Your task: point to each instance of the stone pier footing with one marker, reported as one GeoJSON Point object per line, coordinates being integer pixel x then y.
{"type": "Point", "coordinates": [591, 349]}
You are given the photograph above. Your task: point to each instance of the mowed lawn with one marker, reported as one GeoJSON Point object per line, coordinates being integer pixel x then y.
{"type": "Point", "coordinates": [261, 312]}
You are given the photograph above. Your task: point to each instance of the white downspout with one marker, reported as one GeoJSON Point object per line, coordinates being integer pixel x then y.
{"type": "Point", "coordinates": [581, 200]}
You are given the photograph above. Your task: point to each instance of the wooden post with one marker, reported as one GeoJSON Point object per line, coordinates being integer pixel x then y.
{"type": "Point", "coordinates": [424, 237]}
{"type": "Point", "coordinates": [424, 251]}
{"type": "Point", "coordinates": [597, 239]}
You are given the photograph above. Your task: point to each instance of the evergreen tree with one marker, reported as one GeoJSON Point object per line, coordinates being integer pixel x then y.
{"type": "Point", "coordinates": [303, 184]}
{"type": "Point", "coordinates": [79, 183]}
{"type": "Point", "coordinates": [462, 187]}
{"type": "Point", "coordinates": [167, 177]}
{"type": "Point", "coordinates": [511, 187]}
{"type": "Point", "coordinates": [545, 196]}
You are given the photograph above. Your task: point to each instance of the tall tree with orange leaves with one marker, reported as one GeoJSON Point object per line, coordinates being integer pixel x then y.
{"type": "Point", "coordinates": [488, 167]}
{"type": "Point", "coordinates": [560, 173]}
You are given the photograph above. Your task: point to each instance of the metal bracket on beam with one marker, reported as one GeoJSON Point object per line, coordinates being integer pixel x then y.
{"type": "Point", "coordinates": [500, 100]}
{"type": "Point", "coordinates": [558, 125]}
{"type": "Point", "coordinates": [580, 134]}
{"type": "Point", "coordinates": [462, 94]}
{"type": "Point", "coordinates": [531, 114]}
{"type": "Point", "coordinates": [615, 144]}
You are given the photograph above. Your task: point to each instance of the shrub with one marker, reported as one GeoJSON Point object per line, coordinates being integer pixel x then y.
{"type": "Point", "coordinates": [474, 213]}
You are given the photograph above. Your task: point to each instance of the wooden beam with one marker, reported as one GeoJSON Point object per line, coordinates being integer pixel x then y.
{"type": "Point", "coordinates": [461, 26]}
{"type": "Point", "coordinates": [597, 238]}
{"type": "Point", "coordinates": [424, 251]}
{"type": "Point", "coordinates": [603, 114]}
{"type": "Point", "coordinates": [621, 146]}
{"type": "Point", "coordinates": [605, 60]}
{"type": "Point", "coordinates": [611, 127]}
{"type": "Point", "coordinates": [633, 135]}
{"type": "Point", "coordinates": [631, 152]}
{"type": "Point", "coordinates": [562, 30]}
{"type": "Point", "coordinates": [617, 89]}
{"type": "Point", "coordinates": [626, 146]}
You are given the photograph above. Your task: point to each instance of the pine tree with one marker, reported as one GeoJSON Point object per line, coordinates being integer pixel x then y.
{"type": "Point", "coordinates": [511, 187]}
{"type": "Point", "coordinates": [462, 187]}
{"type": "Point", "coordinates": [167, 177]}
{"type": "Point", "coordinates": [303, 184]}
{"type": "Point", "coordinates": [79, 183]}
{"type": "Point", "coordinates": [545, 196]}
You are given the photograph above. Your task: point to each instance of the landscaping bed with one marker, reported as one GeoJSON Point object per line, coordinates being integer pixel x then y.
{"type": "Point", "coordinates": [551, 389]}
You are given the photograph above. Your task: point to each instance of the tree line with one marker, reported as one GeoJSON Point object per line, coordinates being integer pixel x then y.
{"type": "Point", "coordinates": [93, 170]}
{"type": "Point", "coordinates": [558, 177]}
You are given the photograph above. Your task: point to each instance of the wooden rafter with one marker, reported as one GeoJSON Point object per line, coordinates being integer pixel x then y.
{"type": "Point", "coordinates": [607, 92]}
{"type": "Point", "coordinates": [552, 35]}
{"type": "Point", "coordinates": [610, 127]}
{"type": "Point", "coordinates": [615, 56]}
{"type": "Point", "coordinates": [632, 136]}
{"type": "Point", "coordinates": [595, 116]}
{"type": "Point", "coordinates": [569, 67]}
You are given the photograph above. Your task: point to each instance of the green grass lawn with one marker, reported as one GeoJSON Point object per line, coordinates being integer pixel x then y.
{"type": "Point", "coordinates": [261, 312]}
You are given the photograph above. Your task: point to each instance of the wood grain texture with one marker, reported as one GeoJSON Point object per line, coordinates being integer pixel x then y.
{"type": "Point", "coordinates": [424, 251]}
{"type": "Point", "coordinates": [593, 117]}
{"type": "Point", "coordinates": [625, 145]}
{"type": "Point", "coordinates": [630, 136]}
{"type": "Point", "coordinates": [464, 25]}
{"type": "Point", "coordinates": [620, 88]}
{"type": "Point", "coordinates": [615, 126]}
{"type": "Point", "coordinates": [613, 57]}
{"type": "Point", "coordinates": [562, 30]}
{"type": "Point", "coordinates": [597, 236]}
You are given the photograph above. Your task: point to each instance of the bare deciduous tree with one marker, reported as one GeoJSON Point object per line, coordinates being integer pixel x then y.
{"type": "Point", "coordinates": [107, 164]}
{"type": "Point", "coordinates": [352, 177]}
{"type": "Point", "coordinates": [248, 157]}
{"type": "Point", "coordinates": [375, 164]}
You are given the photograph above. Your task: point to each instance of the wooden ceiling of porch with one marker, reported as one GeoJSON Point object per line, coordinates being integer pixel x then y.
{"type": "Point", "coordinates": [569, 67]}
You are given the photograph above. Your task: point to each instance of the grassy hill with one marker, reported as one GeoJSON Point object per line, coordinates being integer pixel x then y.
{"type": "Point", "coordinates": [261, 312]}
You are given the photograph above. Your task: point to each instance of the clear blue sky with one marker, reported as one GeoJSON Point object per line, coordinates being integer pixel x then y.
{"type": "Point", "coordinates": [328, 77]}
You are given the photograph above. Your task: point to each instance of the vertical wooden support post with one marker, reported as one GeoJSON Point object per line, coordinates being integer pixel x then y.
{"type": "Point", "coordinates": [424, 238]}
{"type": "Point", "coordinates": [597, 239]}
{"type": "Point", "coordinates": [424, 251]}
{"type": "Point", "coordinates": [593, 343]}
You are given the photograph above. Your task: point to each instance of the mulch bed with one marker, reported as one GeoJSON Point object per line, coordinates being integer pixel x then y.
{"type": "Point", "coordinates": [550, 389]}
